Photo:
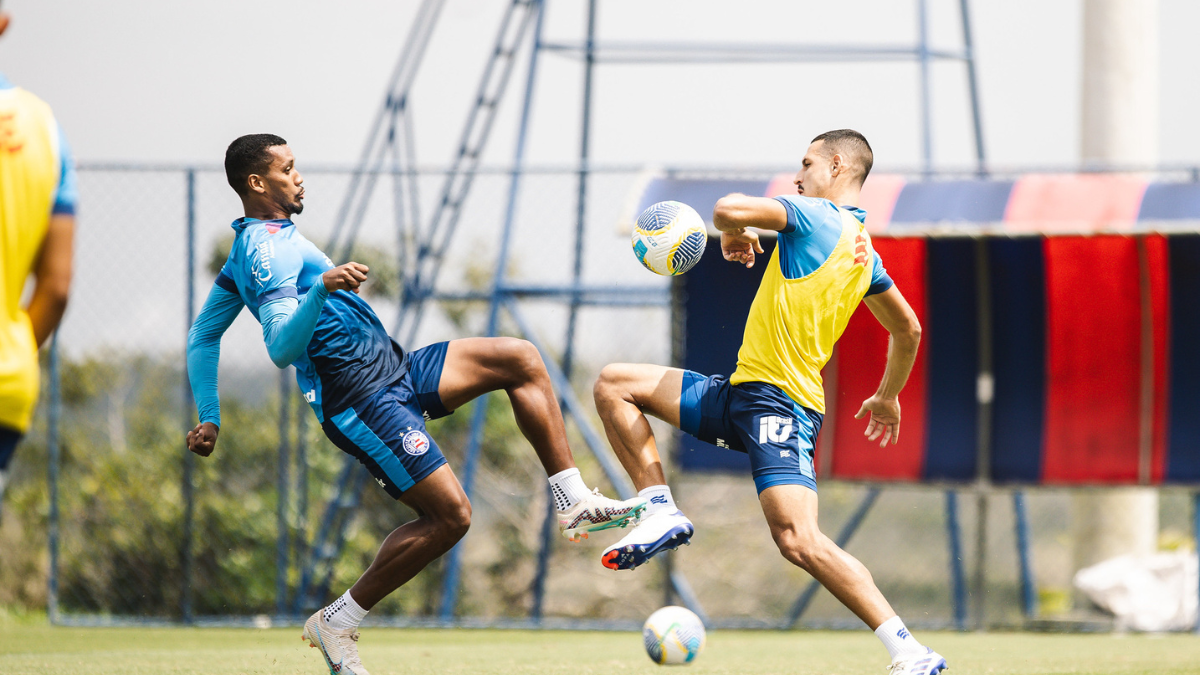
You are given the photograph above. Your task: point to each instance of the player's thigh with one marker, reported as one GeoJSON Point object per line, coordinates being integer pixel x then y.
{"type": "Point", "coordinates": [791, 511]}
{"type": "Point", "coordinates": [654, 389]}
{"type": "Point", "coordinates": [475, 366]}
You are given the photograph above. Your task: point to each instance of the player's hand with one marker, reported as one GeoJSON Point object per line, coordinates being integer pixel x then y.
{"type": "Point", "coordinates": [884, 419]}
{"type": "Point", "coordinates": [203, 438]}
{"type": "Point", "coordinates": [346, 277]}
{"type": "Point", "coordinates": [740, 246]}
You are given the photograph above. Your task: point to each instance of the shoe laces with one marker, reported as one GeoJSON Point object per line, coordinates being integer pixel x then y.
{"type": "Point", "coordinates": [350, 652]}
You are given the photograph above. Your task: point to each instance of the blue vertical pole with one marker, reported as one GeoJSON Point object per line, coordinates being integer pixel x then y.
{"type": "Point", "coordinates": [543, 560]}
{"type": "Point", "coordinates": [1029, 599]}
{"type": "Point", "coordinates": [301, 485]}
{"type": "Point", "coordinates": [926, 114]}
{"type": "Point", "coordinates": [52, 446]}
{"type": "Point", "coordinates": [479, 414]}
{"type": "Point", "coordinates": [585, 136]}
{"type": "Point", "coordinates": [973, 89]}
{"type": "Point", "coordinates": [957, 572]}
{"type": "Point", "coordinates": [189, 460]}
{"type": "Point", "coordinates": [281, 544]}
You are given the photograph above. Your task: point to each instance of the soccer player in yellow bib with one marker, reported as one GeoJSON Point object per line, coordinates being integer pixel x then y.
{"type": "Point", "coordinates": [37, 223]}
{"type": "Point", "coordinates": [772, 406]}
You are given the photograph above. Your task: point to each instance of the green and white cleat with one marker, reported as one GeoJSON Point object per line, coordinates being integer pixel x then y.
{"type": "Point", "coordinates": [339, 647]}
{"type": "Point", "coordinates": [597, 512]}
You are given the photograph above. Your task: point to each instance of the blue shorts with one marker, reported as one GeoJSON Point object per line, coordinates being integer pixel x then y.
{"type": "Point", "coordinates": [8, 445]}
{"type": "Point", "coordinates": [387, 431]}
{"type": "Point", "coordinates": [755, 418]}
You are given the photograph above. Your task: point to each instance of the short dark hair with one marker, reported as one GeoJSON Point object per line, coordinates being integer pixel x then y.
{"type": "Point", "coordinates": [853, 146]}
{"type": "Point", "coordinates": [247, 155]}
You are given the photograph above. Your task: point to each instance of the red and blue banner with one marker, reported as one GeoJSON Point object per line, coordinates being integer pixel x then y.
{"type": "Point", "coordinates": [1090, 317]}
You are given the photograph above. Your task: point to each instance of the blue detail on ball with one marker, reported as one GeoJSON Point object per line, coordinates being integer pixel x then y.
{"type": "Point", "coordinates": [658, 216]}
{"type": "Point", "coordinates": [689, 252]}
{"type": "Point", "coordinates": [653, 645]}
{"type": "Point", "coordinates": [639, 249]}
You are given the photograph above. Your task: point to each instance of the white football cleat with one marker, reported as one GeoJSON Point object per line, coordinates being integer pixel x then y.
{"type": "Point", "coordinates": [929, 663]}
{"type": "Point", "coordinates": [662, 531]}
{"type": "Point", "coordinates": [597, 512]}
{"type": "Point", "coordinates": [339, 647]}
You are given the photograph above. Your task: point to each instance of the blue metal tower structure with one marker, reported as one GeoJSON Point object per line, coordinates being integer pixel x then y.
{"type": "Point", "coordinates": [389, 153]}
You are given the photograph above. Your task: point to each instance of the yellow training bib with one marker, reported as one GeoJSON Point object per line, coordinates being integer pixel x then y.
{"type": "Point", "coordinates": [794, 323]}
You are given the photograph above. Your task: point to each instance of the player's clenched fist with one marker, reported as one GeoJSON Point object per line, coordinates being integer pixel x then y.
{"type": "Point", "coordinates": [346, 277]}
{"type": "Point", "coordinates": [740, 246]}
{"type": "Point", "coordinates": [203, 438]}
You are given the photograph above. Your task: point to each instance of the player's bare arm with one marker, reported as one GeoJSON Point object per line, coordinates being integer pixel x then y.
{"type": "Point", "coordinates": [897, 317]}
{"type": "Point", "coordinates": [734, 213]}
{"type": "Point", "coordinates": [52, 277]}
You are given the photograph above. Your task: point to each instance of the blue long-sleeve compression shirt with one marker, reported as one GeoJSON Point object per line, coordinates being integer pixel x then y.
{"type": "Point", "coordinates": [341, 351]}
{"type": "Point", "coordinates": [287, 325]}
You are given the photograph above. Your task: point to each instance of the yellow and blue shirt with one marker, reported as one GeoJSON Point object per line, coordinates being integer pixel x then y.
{"type": "Point", "coordinates": [37, 179]}
{"type": "Point", "coordinates": [822, 267]}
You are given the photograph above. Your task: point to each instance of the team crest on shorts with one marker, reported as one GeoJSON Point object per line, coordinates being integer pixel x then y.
{"type": "Point", "coordinates": [416, 443]}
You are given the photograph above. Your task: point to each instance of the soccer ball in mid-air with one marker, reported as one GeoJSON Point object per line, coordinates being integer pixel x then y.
{"type": "Point", "coordinates": [674, 636]}
{"type": "Point", "coordinates": [669, 238]}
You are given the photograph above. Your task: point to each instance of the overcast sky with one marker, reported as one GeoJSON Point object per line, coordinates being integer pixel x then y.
{"type": "Point", "coordinates": [152, 80]}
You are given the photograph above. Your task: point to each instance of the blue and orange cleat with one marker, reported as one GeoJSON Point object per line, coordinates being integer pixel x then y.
{"type": "Point", "coordinates": [929, 663]}
{"type": "Point", "coordinates": [658, 532]}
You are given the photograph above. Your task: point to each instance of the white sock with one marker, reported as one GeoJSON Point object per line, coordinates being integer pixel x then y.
{"type": "Point", "coordinates": [897, 639]}
{"type": "Point", "coordinates": [660, 499]}
{"type": "Point", "coordinates": [344, 613]}
{"type": "Point", "coordinates": [568, 489]}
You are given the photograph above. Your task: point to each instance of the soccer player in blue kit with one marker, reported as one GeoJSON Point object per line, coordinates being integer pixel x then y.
{"type": "Point", "coordinates": [371, 396]}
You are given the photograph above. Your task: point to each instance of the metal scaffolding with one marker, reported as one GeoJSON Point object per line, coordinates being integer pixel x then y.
{"type": "Point", "coordinates": [389, 153]}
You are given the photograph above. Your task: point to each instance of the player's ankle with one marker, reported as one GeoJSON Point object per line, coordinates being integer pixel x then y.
{"type": "Point", "coordinates": [568, 489]}
{"type": "Point", "coordinates": [344, 613]}
{"type": "Point", "coordinates": [895, 637]}
{"type": "Point", "coordinates": [659, 498]}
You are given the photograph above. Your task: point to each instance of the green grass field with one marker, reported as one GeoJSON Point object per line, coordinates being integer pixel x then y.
{"type": "Point", "coordinates": [47, 650]}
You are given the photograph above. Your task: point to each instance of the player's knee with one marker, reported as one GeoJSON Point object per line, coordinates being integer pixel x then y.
{"type": "Point", "coordinates": [523, 360]}
{"type": "Point", "coordinates": [609, 386]}
{"type": "Point", "coordinates": [455, 521]}
{"type": "Point", "coordinates": [803, 549]}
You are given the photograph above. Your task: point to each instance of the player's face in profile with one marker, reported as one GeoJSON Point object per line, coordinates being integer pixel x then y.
{"type": "Point", "coordinates": [813, 178]}
{"type": "Point", "coordinates": [283, 182]}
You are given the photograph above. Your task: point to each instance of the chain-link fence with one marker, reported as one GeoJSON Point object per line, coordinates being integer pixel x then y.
{"type": "Point", "coordinates": [137, 530]}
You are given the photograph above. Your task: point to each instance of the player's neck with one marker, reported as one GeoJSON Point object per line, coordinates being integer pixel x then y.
{"type": "Point", "coordinates": [264, 212]}
{"type": "Point", "coordinates": [844, 197]}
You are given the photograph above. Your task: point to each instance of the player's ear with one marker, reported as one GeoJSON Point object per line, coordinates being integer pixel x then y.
{"type": "Point", "coordinates": [837, 164]}
{"type": "Point", "coordinates": [256, 183]}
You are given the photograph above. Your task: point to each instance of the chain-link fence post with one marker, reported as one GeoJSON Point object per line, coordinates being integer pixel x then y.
{"type": "Point", "coordinates": [52, 445]}
{"type": "Point", "coordinates": [189, 461]}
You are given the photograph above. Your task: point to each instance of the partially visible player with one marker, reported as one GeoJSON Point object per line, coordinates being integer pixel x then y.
{"type": "Point", "coordinates": [37, 225]}
{"type": "Point", "coordinates": [371, 396]}
{"type": "Point", "coordinates": [772, 406]}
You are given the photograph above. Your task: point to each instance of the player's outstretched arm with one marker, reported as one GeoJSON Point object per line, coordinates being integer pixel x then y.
{"type": "Point", "coordinates": [203, 356]}
{"type": "Point", "coordinates": [288, 323]}
{"type": "Point", "coordinates": [893, 312]}
{"type": "Point", "coordinates": [736, 212]}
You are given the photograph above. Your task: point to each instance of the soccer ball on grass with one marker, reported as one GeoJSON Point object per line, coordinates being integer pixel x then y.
{"type": "Point", "coordinates": [669, 238]}
{"type": "Point", "coordinates": [673, 636]}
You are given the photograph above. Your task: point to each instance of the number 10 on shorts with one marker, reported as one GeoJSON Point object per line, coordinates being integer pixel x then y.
{"type": "Point", "coordinates": [774, 429]}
